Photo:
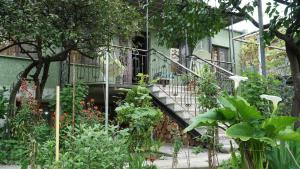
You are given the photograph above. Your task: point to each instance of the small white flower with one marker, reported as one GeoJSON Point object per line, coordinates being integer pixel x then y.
{"type": "Point", "coordinates": [275, 99]}
{"type": "Point", "coordinates": [237, 79]}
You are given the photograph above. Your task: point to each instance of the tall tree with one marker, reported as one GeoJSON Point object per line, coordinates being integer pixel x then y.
{"type": "Point", "coordinates": [197, 20]}
{"type": "Point", "coordinates": [183, 23]}
{"type": "Point", "coordinates": [46, 31]}
{"type": "Point", "coordinates": [288, 21]}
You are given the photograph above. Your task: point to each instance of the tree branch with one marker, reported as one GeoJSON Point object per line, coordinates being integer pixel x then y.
{"type": "Point", "coordinates": [250, 18]}
{"type": "Point", "coordinates": [84, 54]}
{"type": "Point", "coordinates": [24, 51]}
{"type": "Point", "coordinates": [284, 2]}
{"type": "Point", "coordinates": [288, 40]}
{"type": "Point", "coordinates": [7, 47]}
{"type": "Point", "coordinates": [61, 56]}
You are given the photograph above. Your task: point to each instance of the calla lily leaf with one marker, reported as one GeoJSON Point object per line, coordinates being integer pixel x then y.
{"type": "Point", "coordinates": [278, 123]}
{"type": "Point", "coordinates": [244, 131]}
{"type": "Point", "coordinates": [208, 118]}
{"type": "Point", "coordinates": [288, 135]}
{"type": "Point", "coordinates": [245, 111]}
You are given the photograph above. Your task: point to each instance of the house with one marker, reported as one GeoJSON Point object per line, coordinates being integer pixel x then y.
{"type": "Point", "coordinates": [175, 91]}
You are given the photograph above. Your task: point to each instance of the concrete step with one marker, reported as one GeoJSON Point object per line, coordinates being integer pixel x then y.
{"type": "Point", "coordinates": [166, 100]}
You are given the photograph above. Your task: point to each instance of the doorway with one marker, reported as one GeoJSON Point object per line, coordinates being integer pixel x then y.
{"type": "Point", "coordinates": [139, 57]}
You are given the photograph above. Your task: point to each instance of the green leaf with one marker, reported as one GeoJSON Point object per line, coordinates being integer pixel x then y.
{"type": "Point", "coordinates": [278, 123]}
{"type": "Point", "coordinates": [242, 131]}
{"type": "Point", "coordinates": [245, 111]}
{"type": "Point", "coordinates": [227, 113]}
{"type": "Point", "coordinates": [208, 118]}
{"type": "Point", "coordinates": [288, 135]}
{"type": "Point", "coordinates": [226, 103]}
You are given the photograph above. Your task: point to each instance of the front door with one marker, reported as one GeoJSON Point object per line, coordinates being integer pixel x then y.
{"type": "Point", "coordinates": [139, 57]}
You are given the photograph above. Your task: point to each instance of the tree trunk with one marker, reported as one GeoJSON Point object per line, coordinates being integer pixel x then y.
{"type": "Point", "coordinates": [295, 70]}
{"type": "Point", "coordinates": [44, 77]}
{"type": "Point", "coordinates": [12, 97]}
{"type": "Point", "coordinates": [38, 95]}
{"type": "Point", "coordinates": [184, 51]}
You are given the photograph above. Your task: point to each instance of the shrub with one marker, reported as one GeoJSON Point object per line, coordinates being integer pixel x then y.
{"type": "Point", "coordinates": [88, 147]}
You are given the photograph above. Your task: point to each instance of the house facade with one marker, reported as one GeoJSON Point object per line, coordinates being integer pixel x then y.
{"type": "Point", "coordinates": [126, 61]}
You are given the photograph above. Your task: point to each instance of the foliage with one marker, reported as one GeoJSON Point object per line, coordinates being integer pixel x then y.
{"type": "Point", "coordinates": [90, 114]}
{"type": "Point", "coordinates": [85, 111]}
{"type": "Point", "coordinates": [194, 19]}
{"type": "Point", "coordinates": [248, 127]}
{"type": "Point", "coordinates": [136, 161]}
{"type": "Point", "coordinates": [66, 96]}
{"type": "Point", "coordinates": [257, 85]}
{"type": "Point", "coordinates": [139, 115]}
{"type": "Point", "coordinates": [86, 24]}
{"type": "Point", "coordinates": [282, 25]}
{"type": "Point", "coordinates": [12, 151]}
{"type": "Point", "coordinates": [48, 31]}
{"type": "Point", "coordinates": [229, 165]}
{"type": "Point", "coordinates": [89, 147]}
{"type": "Point", "coordinates": [276, 59]}
{"type": "Point", "coordinates": [139, 96]}
{"type": "Point", "coordinates": [208, 90]}
{"type": "Point", "coordinates": [3, 103]}
{"type": "Point", "coordinates": [282, 156]}
{"type": "Point", "coordinates": [141, 121]}
{"type": "Point", "coordinates": [28, 132]}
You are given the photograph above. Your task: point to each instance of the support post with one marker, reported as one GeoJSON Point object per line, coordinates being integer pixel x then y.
{"type": "Point", "coordinates": [106, 89]}
{"type": "Point", "coordinates": [262, 58]}
{"type": "Point", "coordinates": [73, 95]}
{"type": "Point", "coordinates": [147, 38]}
{"type": "Point", "coordinates": [57, 123]}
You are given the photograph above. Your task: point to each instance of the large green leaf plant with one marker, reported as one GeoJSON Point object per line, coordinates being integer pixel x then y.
{"type": "Point", "coordinates": [252, 131]}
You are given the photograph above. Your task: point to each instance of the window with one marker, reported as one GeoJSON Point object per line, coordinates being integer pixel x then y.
{"type": "Point", "coordinates": [220, 57]}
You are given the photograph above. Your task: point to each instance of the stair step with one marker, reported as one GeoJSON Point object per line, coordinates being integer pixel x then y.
{"type": "Point", "coordinates": [166, 100]}
{"type": "Point", "coordinates": [160, 94]}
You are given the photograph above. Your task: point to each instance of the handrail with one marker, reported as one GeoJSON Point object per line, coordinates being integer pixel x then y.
{"type": "Point", "coordinates": [187, 69]}
{"type": "Point", "coordinates": [177, 63]}
{"type": "Point", "coordinates": [219, 61]}
{"type": "Point", "coordinates": [214, 65]}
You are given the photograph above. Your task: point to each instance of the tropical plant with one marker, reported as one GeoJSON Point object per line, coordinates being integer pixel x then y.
{"type": "Point", "coordinates": [248, 127]}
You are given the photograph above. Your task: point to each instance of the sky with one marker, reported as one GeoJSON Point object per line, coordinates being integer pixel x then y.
{"type": "Point", "coordinates": [246, 26]}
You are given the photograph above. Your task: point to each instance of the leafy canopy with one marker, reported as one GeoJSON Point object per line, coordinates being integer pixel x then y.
{"type": "Point", "coordinates": [82, 25]}
{"type": "Point", "coordinates": [196, 19]}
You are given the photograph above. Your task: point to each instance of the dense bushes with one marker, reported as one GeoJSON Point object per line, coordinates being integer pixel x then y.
{"type": "Point", "coordinates": [88, 147]}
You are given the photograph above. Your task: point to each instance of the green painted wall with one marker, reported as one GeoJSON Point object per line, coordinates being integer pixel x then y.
{"type": "Point", "coordinates": [202, 48]}
{"type": "Point", "coordinates": [12, 66]}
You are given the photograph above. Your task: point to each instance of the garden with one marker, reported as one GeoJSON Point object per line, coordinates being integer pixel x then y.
{"type": "Point", "coordinates": [258, 111]}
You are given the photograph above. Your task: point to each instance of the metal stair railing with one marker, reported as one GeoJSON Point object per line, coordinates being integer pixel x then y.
{"type": "Point", "coordinates": [222, 70]}
{"type": "Point", "coordinates": [180, 82]}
